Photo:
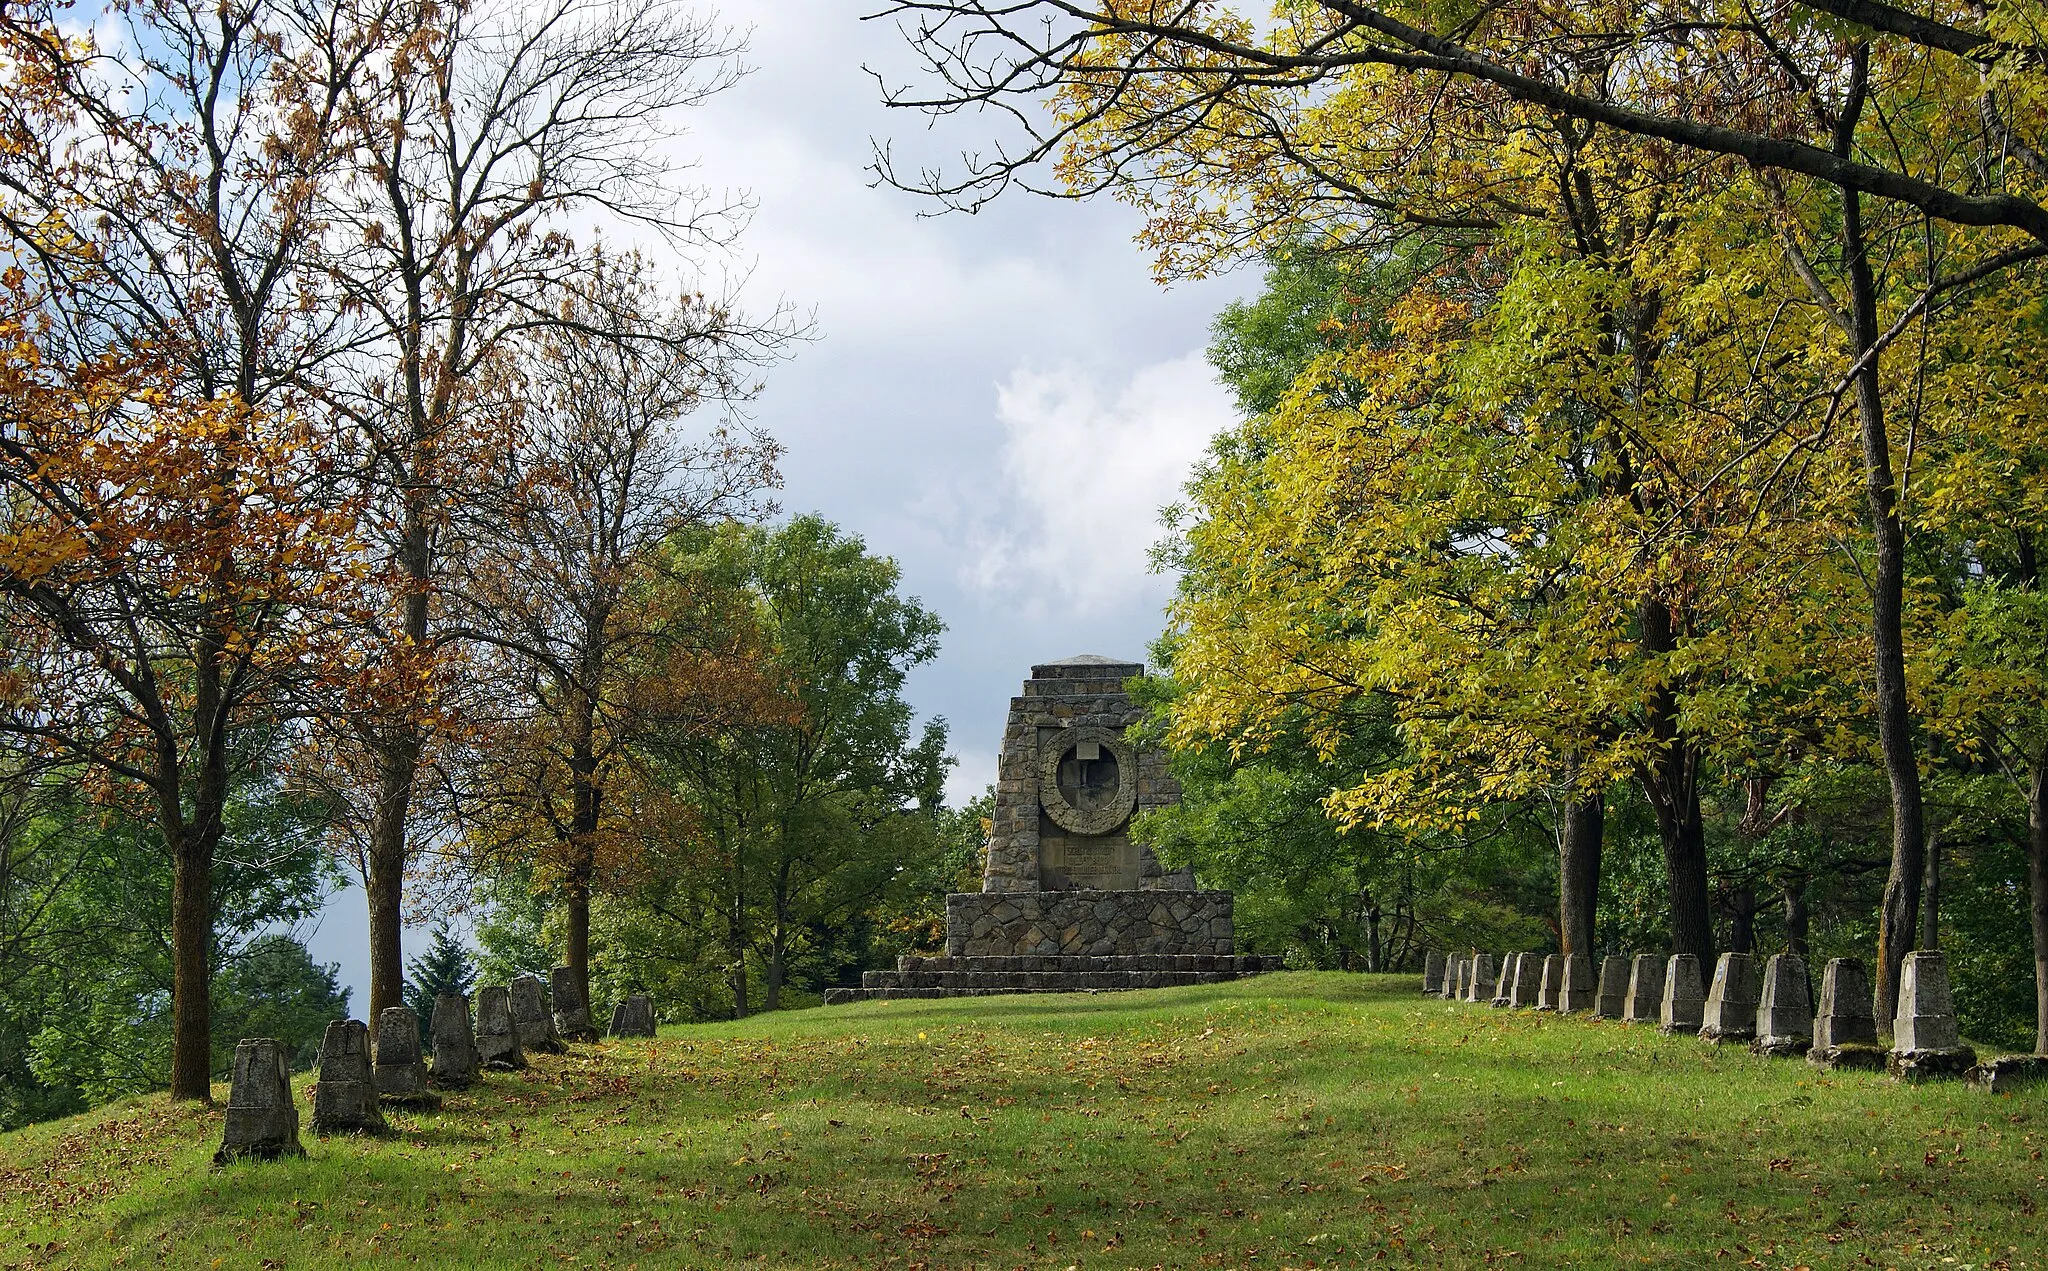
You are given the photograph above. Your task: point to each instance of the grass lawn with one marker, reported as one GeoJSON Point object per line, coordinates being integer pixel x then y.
{"type": "Point", "coordinates": [1297, 1120]}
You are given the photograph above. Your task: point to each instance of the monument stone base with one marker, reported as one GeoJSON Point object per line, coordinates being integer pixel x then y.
{"type": "Point", "coordinates": [1070, 942]}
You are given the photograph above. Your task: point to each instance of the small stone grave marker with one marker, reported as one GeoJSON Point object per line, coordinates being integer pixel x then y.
{"type": "Point", "coordinates": [401, 1071]}
{"type": "Point", "coordinates": [345, 1097]}
{"type": "Point", "coordinates": [1925, 1039]}
{"type": "Point", "coordinates": [455, 1058]}
{"type": "Point", "coordinates": [1481, 987]}
{"type": "Point", "coordinates": [1433, 972]}
{"type": "Point", "coordinates": [1845, 1030]}
{"type": "Point", "coordinates": [1684, 1004]}
{"type": "Point", "coordinates": [497, 1044]}
{"type": "Point", "coordinates": [1645, 989]}
{"type": "Point", "coordinates": [1528, 980]}
{"type": "Point", "coordinates": [1784, 1014]}
{"type": "Point", "coordinates": [1611, 995]}
{"type": "Point", "coordinates": [262, 1120]}
{"type": "Point", "coordinates": [1575, 994]}
{"type": "Point", "coordinates": [1551, 987]}
{"type": "Point", "coordinates": [531, 1022]}
{"type": "Point", "coordinates": [634, 1017]}
{"type": "Point", "coordinates": [572, 1008]}
{"type": "Point", "coordinates": [1730, 1014]}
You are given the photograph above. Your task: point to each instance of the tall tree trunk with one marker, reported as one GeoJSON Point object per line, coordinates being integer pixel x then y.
{"type": "Point", "coordinates": [1797, 921]}
{"type": "Point", "coordinates": [778, 943]}
{"type": "Point", "coordinates": [1898, 921]}
{"type": "Point", "coordinates": [584, 812]}
{"type": "Point", "coordinates": [1742, 920]}
{"type": "Point", "coordinates": [576, 941]}
{"type": "Point", "coordinates": [192, 842]}
{"type": "Point", "coordinates": [2037, 881]}
{"type": "Point", "coordinates": [1670, 779]}
{"type": "Point", "coordinates": [736, 936]}
{"type": "Point", "coordinates": [191, 965]}
{"type": "Point", "coordinates": [384, 884]}
{"type": "Point", "coordinates": [398, 746]}
{"type": "Point", "coordinates": [1930, 897]}
{"type": "Point", "coordinates": [1578, 872]}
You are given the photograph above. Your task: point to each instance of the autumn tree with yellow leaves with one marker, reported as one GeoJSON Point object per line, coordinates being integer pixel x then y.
{"type": "Point", "coordinates": [175, 547]}
{"type": "Point", "coordinates": [1784, 202]}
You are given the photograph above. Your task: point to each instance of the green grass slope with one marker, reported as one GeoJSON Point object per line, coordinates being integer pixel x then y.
{"type": "Point", "coordinates": [1298, 1120]}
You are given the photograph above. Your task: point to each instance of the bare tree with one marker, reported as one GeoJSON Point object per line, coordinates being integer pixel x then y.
{"type": "Point", "coordinates": [487, 131]}
{"type": "Point", "coordinates": [158, 197]}
{"type": "Point", "coordinates": [562, 588]}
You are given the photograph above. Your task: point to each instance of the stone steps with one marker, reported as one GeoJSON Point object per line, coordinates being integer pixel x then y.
{"type": "Point", "coordinates": [921, 977]}
{"type": "Point", "coordinates": [1247, 964]}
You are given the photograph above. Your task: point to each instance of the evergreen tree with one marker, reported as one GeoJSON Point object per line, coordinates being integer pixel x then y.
{"type": "Point", "coordinates": [444, 968]}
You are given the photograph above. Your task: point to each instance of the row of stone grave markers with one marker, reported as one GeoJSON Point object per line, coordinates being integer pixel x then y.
{"type": "Point", "coordinates": [1775, 1017]}
{"type": "Point", "coordinates": [353, 1087]}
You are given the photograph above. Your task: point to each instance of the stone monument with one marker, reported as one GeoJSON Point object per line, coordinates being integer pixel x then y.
{"type": "Point", "coordinates": [1069, 899]}
{"type": "Point", "coordinates": [1730, 1015]}
{"type": "Point", "coordinates": [1845, 1030]}
{"type": "Point", "coordinates": [1432, 972]}
{"type": "Point", "coordinates": [1611, 994]}
{"type": "Point", "coordinates": [1528, 986]}
{"type": "Point", "coordinates": [497, 1044]}
{"type": "Point", "coordinates": [345, 1097]}
{"type": "Point", "coordinates": [262, 1121]}
{"type": "Point", "coordinates": [1684, 1003]}
{"type": "Point", "coordinates": [1925, 1037]}
{"type": "Point", "coordinates": [1575, 992]}
{"type": "Point", "coordinates": [1645, 989]}
{"type": "Point", "coordinates": [531, 1022]}
{"type": "Point", "coordinates": [572, 1007]}
{"type": "Point", "coordinates": [1784, 1015]}
{"type": "Point", "coordinates": [1483, 976]}
{"type": "Point", "coordinates": [455, 1058]}
{"type": "Point", "coordinates": [1504, 982]}
{"type": "Point", "coordinates": [633, 1017]}
{"type": "Point", "coordinates": [401, 1073]}
{"type": "Point", "coordinates": [1550, 990]}
{"type": "Point", "coordinates": [1454, 977]}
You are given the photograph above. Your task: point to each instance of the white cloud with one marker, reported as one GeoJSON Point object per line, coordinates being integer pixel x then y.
{"type": "Point", "coordinates": [1088, 467]}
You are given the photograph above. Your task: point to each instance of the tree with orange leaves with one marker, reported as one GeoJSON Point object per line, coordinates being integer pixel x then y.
{"type": "Point", "coordinates": [165, 571]}
{"type": "Point", "coordinates": [586, 639]}
{"type": "Point", "coordinates": [173, 538]}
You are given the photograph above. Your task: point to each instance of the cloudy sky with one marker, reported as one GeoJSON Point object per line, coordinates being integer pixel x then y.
{"type": "Point", "coordinates": [1000, 402]}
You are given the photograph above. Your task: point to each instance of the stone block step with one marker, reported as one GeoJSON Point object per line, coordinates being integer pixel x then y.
{"type": "Point", "coordinates": [923, 983]}
{"type": "Point", "coordinates": [1243, 964]}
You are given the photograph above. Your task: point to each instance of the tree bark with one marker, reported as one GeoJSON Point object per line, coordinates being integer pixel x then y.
{"type": "Point", "coordinates": [1898, 922]}
{"type": "Point", "coordinates": [384, 885]}
{"type": "Point", "coordinates": [585, 809]}
{"type": "Point", "coordinates": [777, 950]}
{"type": "Point", "coordinates": [2037, 881]}
{"type": "Point", "coordinates": [1578, 872]}
{"type": "Point", "coordinates": [576, 941]}
{"type": "Point", "coordinates": [191, 967]}
{"type": "Point", "coordinates": [1670, 779]}
{"type": "Point", "coordinates": [1742, 920]}
{"type": "Point", "coordinates": [398, 744]}
{"type": "Point", "coordinates": [1797, 921]}
{"type": "Point", "coordinates": [736, 937]}
{"type": "Point", "coordinates": [1930, 902]}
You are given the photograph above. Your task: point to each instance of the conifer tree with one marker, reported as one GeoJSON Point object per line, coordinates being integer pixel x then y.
{"type": "Point", "coordinates": [444, 968]}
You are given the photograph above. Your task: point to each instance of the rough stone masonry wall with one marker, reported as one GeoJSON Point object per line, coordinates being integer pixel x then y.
{"type": "Point", "coordinates": [1088, 923]}
{"type": "Point", "coordinates": [1064, 696]}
